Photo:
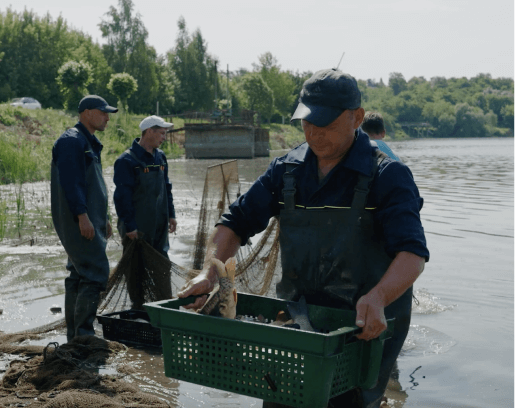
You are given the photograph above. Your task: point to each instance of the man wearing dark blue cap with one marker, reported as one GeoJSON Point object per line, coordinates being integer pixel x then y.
{"type": "Point", "coordinates": [80, 214]}
{"type": "Point", "coordinates": [350, 229]}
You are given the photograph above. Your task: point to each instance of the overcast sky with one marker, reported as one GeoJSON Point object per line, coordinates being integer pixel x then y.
{"type": "Point", "coordinates": [450, 38]}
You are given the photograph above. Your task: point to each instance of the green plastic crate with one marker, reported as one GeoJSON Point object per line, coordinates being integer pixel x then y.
{"type": "Point", "coordinates": [283, 365]}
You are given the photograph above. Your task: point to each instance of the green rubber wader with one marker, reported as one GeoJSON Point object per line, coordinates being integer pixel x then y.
{"type": "Point", "coordinates": [87, 261]}
{"type": "Point", "coordinates": [333, 257]}
{"type": "Point", "coordinates": [150, 202]}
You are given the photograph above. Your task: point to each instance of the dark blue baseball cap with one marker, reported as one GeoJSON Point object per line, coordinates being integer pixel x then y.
{"type": "Point", "coordinates": [95, 102]}
{"type": "Point", "coordinates": [326, 95]}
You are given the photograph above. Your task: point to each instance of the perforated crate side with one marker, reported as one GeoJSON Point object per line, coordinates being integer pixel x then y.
{"type": "Point", "coordinates": [345, 376]}
{"type": "Point", "coordinates": [129, 332]}
{"type": "Point", "coordinates": [259, 371]}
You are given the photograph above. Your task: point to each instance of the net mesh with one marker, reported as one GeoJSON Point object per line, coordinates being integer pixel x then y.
{"type": "Point", "coordinates": [63, 376]}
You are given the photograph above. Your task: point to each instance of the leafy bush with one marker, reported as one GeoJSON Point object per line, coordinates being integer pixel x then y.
{"type": "Point", "coordinates": [123, 86]}
{"type": "Point", "coordinates": [73, 79]}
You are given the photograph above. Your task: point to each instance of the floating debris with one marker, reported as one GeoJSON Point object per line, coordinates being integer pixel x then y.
{"type": "Point", "coordinates": [56, 309]}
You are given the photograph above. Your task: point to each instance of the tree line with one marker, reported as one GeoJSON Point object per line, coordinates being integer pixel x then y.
{"type": "Point", "coordinates": [43, 58]}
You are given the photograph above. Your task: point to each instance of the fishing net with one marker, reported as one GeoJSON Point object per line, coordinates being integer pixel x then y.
{"type": "Point", "coordinates": [256, 264]}
{"type": "Point", "coordinates": [68, 376]}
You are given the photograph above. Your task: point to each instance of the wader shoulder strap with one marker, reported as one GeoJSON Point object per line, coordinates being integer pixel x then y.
{"type": "Point", "coordinates": [289, 189]}
{"type": "Point", "coordinates": [363, 185]}
{"type": "Point", "coordinates": [88, 144]}
{"type": "Point", "coordinates": [140, 162]}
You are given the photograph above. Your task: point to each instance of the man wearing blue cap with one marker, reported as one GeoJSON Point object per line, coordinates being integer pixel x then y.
{"type": "Point", "coordinates": [350, 229]}
{"type": "Point", "coordinates": [79, 213]}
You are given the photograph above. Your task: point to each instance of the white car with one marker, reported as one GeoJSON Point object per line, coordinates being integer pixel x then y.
{"type": "Point", "coordinates": [29, 103]}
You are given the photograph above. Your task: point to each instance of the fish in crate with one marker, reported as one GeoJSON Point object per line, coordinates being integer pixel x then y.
{"type": "Point", "coordinates": [223, 299]}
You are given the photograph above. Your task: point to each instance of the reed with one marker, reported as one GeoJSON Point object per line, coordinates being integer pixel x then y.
{"type": "Point", "coordinates": [20, 208]}
{"type": "Point", "coordinates": [3, 219]}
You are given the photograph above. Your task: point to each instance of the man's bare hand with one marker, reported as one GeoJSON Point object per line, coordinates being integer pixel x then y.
{"type": "Point", "coordinates": [86, 227]}
{"type": "Point", "coordinates": [132, 234]}
{"type": "Point", "coordinates": [370, 316]}
{"type": "Point", "coordinates": [173, 225]}
{"type": "Point", "coordinates": [109, 230]}
{"type": "Point", "coordinates": [200, 285]}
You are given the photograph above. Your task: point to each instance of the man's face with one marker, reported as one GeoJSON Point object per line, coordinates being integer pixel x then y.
{"type": "Point", "coordinates": [332, 141]}
{"type": "Point", "coordinates": [155, 137]}
{"type": "Point", "coordinates": [96, 119]}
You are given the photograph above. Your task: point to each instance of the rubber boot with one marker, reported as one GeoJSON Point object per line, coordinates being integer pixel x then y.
{"type": "Point", "coordinates": [70, 300]}
{"type": "Point", "coordinates": [71, 286]}
{"type": "Point", "coordinates": [88, 297]}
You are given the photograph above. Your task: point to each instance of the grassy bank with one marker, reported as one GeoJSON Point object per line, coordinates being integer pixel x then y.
{"type": "Point", "coordinates": [27, 137]}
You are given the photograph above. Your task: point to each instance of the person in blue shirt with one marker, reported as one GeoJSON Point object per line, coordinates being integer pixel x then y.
{"type": "Point", "coordinates": [143, 195]}
{"type": "Point", "coordinates": [373, 125]}
{"type": "Point", "coordinates": [80, 214]}
{"type": "Point", "coordinates": [350, 229]}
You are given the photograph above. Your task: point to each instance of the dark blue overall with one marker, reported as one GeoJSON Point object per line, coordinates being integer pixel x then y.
{"type": "Point", "coordinates": [150, 203]}
{"type": "Point", "coordinates": [333, 257]}
{"type": "Point", "coordinates": [87, 261]}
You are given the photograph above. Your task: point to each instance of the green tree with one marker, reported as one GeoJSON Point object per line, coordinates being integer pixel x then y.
{"type": "Point", "coordinates": [123, 86]}
{"type": "Point", "coordinates": [127, 51]}
{"type": "Point", "coordinates": [438, 82]}
{"type": "Point", "coordinates": [258, 95]}
{"type": "Point", "coordinates": [416, 81]}
{"type": "Point", "coordinates": [470, 121]}
{"type": "Point", "coordinates": [73, 79]}
{"type": "Point", "coordinates": [446, 124]}
{"type": "Point", "coordinates": [433, 111]}
{"type": "Point", "coordinates": [35, 48]}
{"type": "Point", "coordinates": [194, 70]}
{"type": "Point", "coordinates": [397, 83]}
{"type": "Point", "coordinates": [497, 101]}
{"type": "Point", "coordinates": [281, 83]}
{"type": "Point", "coordinates": [507, 116]}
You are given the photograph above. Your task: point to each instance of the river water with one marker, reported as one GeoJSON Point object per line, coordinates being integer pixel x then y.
{"type": "Point", "coordinates": [459, 351]}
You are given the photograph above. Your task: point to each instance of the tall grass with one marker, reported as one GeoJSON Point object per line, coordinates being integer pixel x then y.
{"type": "Point", "coordinates": [20, 209]}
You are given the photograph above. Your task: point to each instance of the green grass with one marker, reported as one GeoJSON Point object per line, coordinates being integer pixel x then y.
{"type": "Point", "coordinates": [27, 137]}
{"type": "Point", "coordinates": [26, 141]}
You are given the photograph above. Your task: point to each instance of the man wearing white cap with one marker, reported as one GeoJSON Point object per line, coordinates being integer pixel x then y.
{"type": "Point", "coordinates": [143, 195]}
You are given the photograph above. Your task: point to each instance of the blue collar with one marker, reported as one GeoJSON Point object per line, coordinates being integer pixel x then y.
{"type": "Point", "coordinates": [92, 139]}
{"type": "Point", "coordinates": [139, 151]}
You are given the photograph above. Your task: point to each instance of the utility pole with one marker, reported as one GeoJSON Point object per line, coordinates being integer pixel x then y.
{"type": "Point", "coordinates": [216, 94]}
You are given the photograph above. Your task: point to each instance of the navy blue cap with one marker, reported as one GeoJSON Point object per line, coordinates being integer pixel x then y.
{"type": "Point", "coordinates": [326, 95]}
{"type": "Point", "coordinates": [95, 102]}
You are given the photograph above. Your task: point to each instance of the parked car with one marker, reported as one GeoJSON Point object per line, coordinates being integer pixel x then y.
{"type": "Point", "coordinates": [26, 102]}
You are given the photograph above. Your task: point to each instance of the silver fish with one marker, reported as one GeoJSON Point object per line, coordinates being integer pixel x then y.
{"type": "Point", "coordinates": [223, 299]}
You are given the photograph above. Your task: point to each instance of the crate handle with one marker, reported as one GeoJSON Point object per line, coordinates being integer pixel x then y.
{"type": "Point", "coordinates": [371, 357]}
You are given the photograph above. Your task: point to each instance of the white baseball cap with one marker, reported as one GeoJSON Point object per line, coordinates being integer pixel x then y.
{"type": "Point", "coordinates": [154, 120]}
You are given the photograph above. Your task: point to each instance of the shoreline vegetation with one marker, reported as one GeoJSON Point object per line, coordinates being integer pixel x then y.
{"type": "Point", "coordinates": [27, 137]}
